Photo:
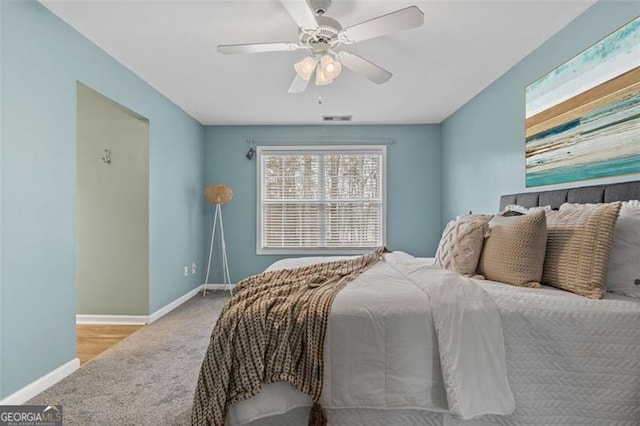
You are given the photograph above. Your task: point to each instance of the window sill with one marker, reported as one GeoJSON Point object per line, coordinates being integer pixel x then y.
{"type": "Point", "coordinates": [330, 251]}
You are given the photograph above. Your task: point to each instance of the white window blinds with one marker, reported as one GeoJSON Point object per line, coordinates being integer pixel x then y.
{"type": "Point", "coordinates": [320, 199]}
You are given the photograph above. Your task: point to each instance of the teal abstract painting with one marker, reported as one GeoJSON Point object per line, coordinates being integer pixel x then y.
{"type": "Point", "coordinates": [583, 118]}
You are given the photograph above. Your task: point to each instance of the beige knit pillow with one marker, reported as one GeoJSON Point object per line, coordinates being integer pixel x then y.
{"type": "Point", "coordinates": [461, 244]}
{"type": "Point", "coordinates": [578, 245]}
{"type": "Point", "coordinates": [514, 251]}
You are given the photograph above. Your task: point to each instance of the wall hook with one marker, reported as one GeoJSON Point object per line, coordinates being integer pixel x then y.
{"type": "Point", "coordinates": [106, 158]}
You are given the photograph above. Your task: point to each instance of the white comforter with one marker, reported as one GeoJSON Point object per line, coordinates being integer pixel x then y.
{"type": "Point", "coordinates": [404, 335]}
{"type": "Point", "coordinates": [570, 360]}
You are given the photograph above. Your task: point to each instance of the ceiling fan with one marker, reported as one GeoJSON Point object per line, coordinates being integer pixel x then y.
{"type": "Point", "coordinates": [322, 36]}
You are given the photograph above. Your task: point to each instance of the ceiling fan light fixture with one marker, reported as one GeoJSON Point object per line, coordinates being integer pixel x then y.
{"type": "Point", "coordinates": [330, 67]}
{"type": "Point", "coordinates": [305, 68]}
{"type": "Point", "coordinates": [322, 79]}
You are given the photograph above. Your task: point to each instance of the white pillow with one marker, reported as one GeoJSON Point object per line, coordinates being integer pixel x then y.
{"type": "Point", "coordinates": [521, 209]}
{"type": "Point", "coordinates": [623, 276]}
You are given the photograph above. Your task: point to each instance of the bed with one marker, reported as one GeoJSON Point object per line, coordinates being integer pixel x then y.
{"type": "Point", "coordinates": [401, 352]}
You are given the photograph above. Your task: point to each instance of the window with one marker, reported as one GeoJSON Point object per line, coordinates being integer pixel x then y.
{"type": "Point", "coordinates": [321, 199]}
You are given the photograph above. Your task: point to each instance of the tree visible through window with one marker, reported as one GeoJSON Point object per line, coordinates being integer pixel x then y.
{"type": "Point", "coordinates": [320, 199]}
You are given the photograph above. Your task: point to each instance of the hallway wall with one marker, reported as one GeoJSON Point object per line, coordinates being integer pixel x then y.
{"type": "Point", "coordinates": [112, 208]}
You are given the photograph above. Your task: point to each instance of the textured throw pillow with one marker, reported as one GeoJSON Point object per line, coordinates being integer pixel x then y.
{"type": "Point", "coordinates": [579, 242]}
{"type": "Point", "coordinates": [461, 244]}
{"type": "Point", "coordinates": [514, 251]}
{"type": "Point", "coordinates": [624, 263]}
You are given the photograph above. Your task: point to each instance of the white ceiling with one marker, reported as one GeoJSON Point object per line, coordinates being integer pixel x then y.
{"type": "Point", "coordinates": [461, 49]}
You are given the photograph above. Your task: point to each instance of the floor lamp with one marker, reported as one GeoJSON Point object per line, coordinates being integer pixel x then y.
{"type": "Point", "coordinates": [218, 195]}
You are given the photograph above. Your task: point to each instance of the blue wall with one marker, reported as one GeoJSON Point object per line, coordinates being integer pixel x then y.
{"type": "Point", "coordinates": [413, 184]}
{"type": "Point", "coordinates": [483, 142]}
{"type": "Point", "coordinates": [42, 58]}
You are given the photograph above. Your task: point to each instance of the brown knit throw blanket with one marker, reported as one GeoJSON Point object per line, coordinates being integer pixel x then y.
{"type": "Point", "coordinates": [272, 330]}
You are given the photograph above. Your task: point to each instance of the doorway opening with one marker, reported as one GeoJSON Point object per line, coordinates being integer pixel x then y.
{"type": "Point", "coordinates": [112, 219]}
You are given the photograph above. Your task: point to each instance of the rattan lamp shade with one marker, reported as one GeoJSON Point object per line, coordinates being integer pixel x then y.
{"type": "Point", "coordinates": [218, 194]}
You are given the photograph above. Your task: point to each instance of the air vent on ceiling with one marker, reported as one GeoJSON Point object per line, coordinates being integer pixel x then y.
{"type": "Point", "coordinates": [337, 117]}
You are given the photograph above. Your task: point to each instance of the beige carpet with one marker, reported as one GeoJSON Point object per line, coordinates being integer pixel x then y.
{"type": "Point", "coordinates": [149, 378]}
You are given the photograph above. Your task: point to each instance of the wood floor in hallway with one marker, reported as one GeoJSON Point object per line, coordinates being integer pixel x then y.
{"type": "Point", "coordinates": [92, 340]}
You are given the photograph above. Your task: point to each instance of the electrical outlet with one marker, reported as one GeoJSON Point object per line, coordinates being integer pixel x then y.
{"type": "Point", "coordinates": [186, 271]}
{"type": "Point", "coordinates": [194, 267]}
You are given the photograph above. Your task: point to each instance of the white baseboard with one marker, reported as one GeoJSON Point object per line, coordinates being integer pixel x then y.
{"type": "Point", "coordinates": [39, 385]}
{"type": "Point", "coordinates": [171, 306]}
{"type": "Point", "coordinates": [137, 319]}
{"type": "Point", "coordinates": [218, 286]}
{"type": "Point", "coordinates": [112, 319]}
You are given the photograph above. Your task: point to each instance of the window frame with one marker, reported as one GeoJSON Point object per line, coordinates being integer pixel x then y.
{"type": "Point", "coordinates": [322, 149]}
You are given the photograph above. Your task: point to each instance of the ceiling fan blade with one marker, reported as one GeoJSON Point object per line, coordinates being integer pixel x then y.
{"type": "Point", "coordinates": [301, 13]}
{"type": "Point", "coordinates": [363, 67]}
{"type": "Point", "coordinates": [257, 48]}
{"type": "Point", "coordinates": [399, 20]}
{"type": "Point", "coordinates": [298, 85]}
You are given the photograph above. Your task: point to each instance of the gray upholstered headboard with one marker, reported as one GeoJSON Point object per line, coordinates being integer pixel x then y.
{"type": "Point", "coordinates": [585, 194]}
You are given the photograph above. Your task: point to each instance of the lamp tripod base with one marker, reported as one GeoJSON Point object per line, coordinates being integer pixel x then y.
{"type": "Point", "coordinates": [217, 219]}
